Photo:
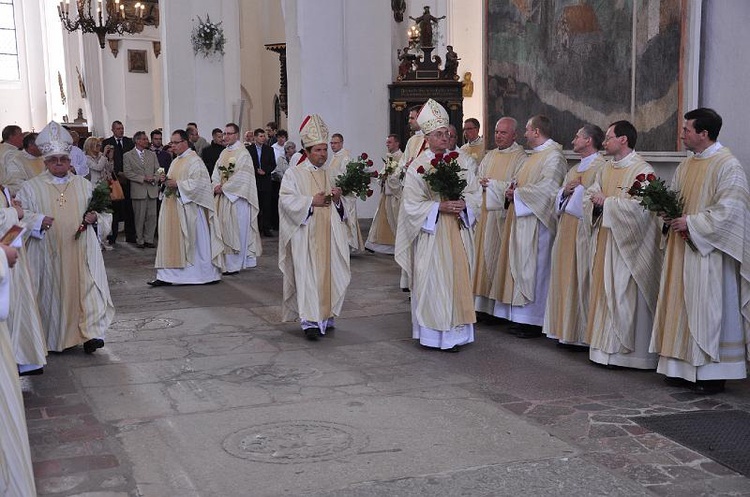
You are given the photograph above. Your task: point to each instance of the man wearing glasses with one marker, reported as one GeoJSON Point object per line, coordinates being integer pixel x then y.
{"type": "Point", "coordinates": [190, 248]}
{"type": "Point", "coordinates": [474, 144]}
{"type": "Point", "coordinates": [236, 200]}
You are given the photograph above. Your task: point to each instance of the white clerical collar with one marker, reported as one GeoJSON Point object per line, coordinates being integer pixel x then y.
{"type": "Point", "coordinates": [234, 146]}
{"type": "Point", "coordinates": [61, 181]}
{"type": "Point", "coordinates": [185, 153]}
{"type": "Point", "coordinates": [512, 148]}
{"type": "Point", "coordinates": [549, 143]}
{"type": "Point", "coordinates": [713, 149]}
{"type": "Point", "coordinates": [586, 162]}
{"type": "Point", "coordinates": [625, 161]}
{"type": "Point", "coordinates": [28, 155]}
{"type": "Point", "coordinates": [419, 132]}
{"type": "Point", "coordinates": [475, 142]}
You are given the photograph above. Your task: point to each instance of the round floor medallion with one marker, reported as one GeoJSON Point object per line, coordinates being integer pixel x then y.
{"type": "Point", "coordinates": [292, 442]}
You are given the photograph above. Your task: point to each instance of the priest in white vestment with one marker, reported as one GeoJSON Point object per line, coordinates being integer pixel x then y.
{"type": "Point", "coordinates": [568, 296]}
{"type": "Point", "coordinates": [336, 167]}
{"type": "Point", "coordinates": [24, 165]}
{"type": "Point", "coordinates": [236, 200]}
{"type": "Point", "coordinates": [497, 172]}
{"type": "Point", "coordinates": [382, 235]}
{"type": "Point", "coordinates": [12, 141]}
{"type": "Point", "coordinates": [16, 472]}
{"type": "Point", "coordinates": [522, 278]}
{"type": "Point", "coordinates": [625, 258]}
{"type": "Point", "coordinates": [313, 237]}
{"type": "Point", "coordinates": [702, 323]}
{"type": "Point", "coordinates": [434, 244]}
{"type": "Point", "coordinates": [27, 334]}
{"type": "Point", "coordinates": [473, 143]}
{"type": "Point", "coordinates": [190, 251]}
{"type": "Point", "coordinates": [72, 289]}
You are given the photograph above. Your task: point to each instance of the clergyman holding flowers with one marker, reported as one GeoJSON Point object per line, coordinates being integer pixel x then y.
{"type": "Point", "coordinates": [431, 246]}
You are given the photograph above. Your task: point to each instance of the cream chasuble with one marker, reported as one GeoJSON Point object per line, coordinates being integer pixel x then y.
{"type": "Point", "coordinates": [501, 166]}
{"type": "Point", "coordinates": [703, 316]}
{"type": "Point", "coordinates": [237, 208]}
{"type": "Point", "coordinates": [475, 150]}
{"type": "Point", "coordinates": [436, 250]}
{"type": "Point", "coordinates": [16, 472]}
{"type": "Point", "coordinates": [313, 248]}
{"type": "Point", "coordinates": [27, 335]}
{"type": "Point", "coordinates": [382, 235]}
{"type": "Point", "coordinates": [178, 222]}
{"type": "Point", "coordinates": [522, 278]}
{"type": "Point", "coordinates": [626, 262]}
{"type": "Point", "coordinates": [336, 167]}
{"type": "Point", "coordinates": [567, 299]}
{"type": "Point", "coordinates": [22, 167]}
{"type": "Point", "coordinates": [72, 288]}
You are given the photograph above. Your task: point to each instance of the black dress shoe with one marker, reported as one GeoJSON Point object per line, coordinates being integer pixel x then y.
{"type": "Point", "coordinates": [141, 245]}
{"type": "Point", "coordinates": [230, 273]}
{"type": "Point", "coordinates": [214, 282]}
{"type": "Point", "coordinates": [158, 282]}
{"type": "Point", "coordinates": [150, 245]}
{"type": "Point", "coordinates": [32, 372]}
{"type": "Point", "coordinates": [673, 381]}
{"type": "Point", "coordinates": [528, 331]}
{"type": "Point", "coordinates": [709, 387]}
{"type": "Point", "coordinates": [89, 346]}
{"type": "Point", "coordinates": [267, 233]}
{"type": "Point", "coordinates": [312, 333]}
{"type": "Point", "coordinates": [130, 240]}
{"type": "Point", "coordinates": [452, 350]}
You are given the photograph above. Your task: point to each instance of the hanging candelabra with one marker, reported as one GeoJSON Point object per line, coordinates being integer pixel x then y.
{"type": "Point", "coordinates": [101, 17]}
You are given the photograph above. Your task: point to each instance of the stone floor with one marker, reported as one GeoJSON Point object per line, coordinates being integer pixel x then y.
{"type": "Point", "coordinates": [202, 391]}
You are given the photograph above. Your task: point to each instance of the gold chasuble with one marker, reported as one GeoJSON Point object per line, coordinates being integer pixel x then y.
{"type": "Point", "coordinates": [179, 215]}
{"type": "Point", "coordinates": [438, 260]}
{"type": "Point", "coordinates": [567, 300]}
{"type": "Point", "coordinates": [72, 288]}
{"type": "Point", "coordinates": [502, 166]}
{"type": "Point", "coordinates": [24, 322]}
{"type": "Point", "coordinates": [22, 167]}
{"type": "Point", "coordinates": [313, 248]}
{"type": "Point", "coordinates": [239, 184]}
{"type": "Point", "coordinates": [626, 263]}
{"type": "Point", "coordinates": [537, 182]}
{"type": "Point", "coordinates": [702, 322]}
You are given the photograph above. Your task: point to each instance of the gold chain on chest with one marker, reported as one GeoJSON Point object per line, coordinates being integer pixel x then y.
{"type": "Point", "coordinates": [61, 200]}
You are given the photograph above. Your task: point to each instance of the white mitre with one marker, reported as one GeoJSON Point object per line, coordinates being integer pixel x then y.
{"type": "Point", "coordinates": [313, 131]}
{"type": "Point", "coordinates": [54, 140]}
{"type": "Point", "coordinates": [432, 116]}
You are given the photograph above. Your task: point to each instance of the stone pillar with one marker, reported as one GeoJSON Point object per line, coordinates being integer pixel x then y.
{"type": "Point", "coordinates": [339, 66]}
{"type": "Point", "coordinates": [196, 88]}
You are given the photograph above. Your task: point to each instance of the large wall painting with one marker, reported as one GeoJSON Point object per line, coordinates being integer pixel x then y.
{"type": "Point", "coordinates": [595, 61]}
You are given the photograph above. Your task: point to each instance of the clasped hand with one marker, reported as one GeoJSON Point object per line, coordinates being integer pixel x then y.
{"type": "Point", "coordinates": [452, 206]}
{"type": "Point", "coordinates": [322, 199]}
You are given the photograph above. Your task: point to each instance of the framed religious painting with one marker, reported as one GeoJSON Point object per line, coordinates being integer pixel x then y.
{"type": "Point", "coordinates": [137, 61]}
{"type": "Point", "coordinates": [594, 61]}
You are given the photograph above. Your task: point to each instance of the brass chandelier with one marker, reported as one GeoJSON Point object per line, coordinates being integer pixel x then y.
{"type": "Point", "coordinates": [102, 17]}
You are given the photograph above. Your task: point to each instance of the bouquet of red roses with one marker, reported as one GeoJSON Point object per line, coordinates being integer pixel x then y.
{"type": "Point", "coordinates": [444, 178]}
{"type": "Point", "coordinates": [656, 197]}
{"type": "Point", "coordinates": [356, 179]}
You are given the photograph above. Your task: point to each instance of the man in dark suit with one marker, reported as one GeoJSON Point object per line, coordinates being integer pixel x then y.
{"type": "Point", "coordinates": [123, 209]}
{"type": "Point", "coordinates": [264, 161]}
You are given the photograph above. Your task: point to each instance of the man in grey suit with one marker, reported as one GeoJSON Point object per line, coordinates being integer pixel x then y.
{"type": "Point", "coordinates": [139, 166]}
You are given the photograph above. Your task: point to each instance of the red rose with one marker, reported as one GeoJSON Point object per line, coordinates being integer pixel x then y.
{"type": "Point", "coordinates": [375, 174]}
{"type": "Point", "coordinates": [637, 185]}
{"type": "Point", "coordinates": [434, 162]}
{"type": "Point", "coordinates": [651, 177]}
{"type": "Point", "coordinates": [453, 155]}
{"type": "Point", "coordinates": [439, 156]}
{"type": "Point", "coordinates": [369, 193]}
{"type": "Point", "coordinates": [640, 177]}
{"type": "Point", "coordinates": [420, 170]}
{"type": "Point", "coordinates": [364, 156]}
{"type": "Point", "coordinates": [369, 163]}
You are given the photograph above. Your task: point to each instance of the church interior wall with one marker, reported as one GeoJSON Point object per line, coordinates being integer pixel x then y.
{"type": "Point", "coordinates": [725, 71]}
